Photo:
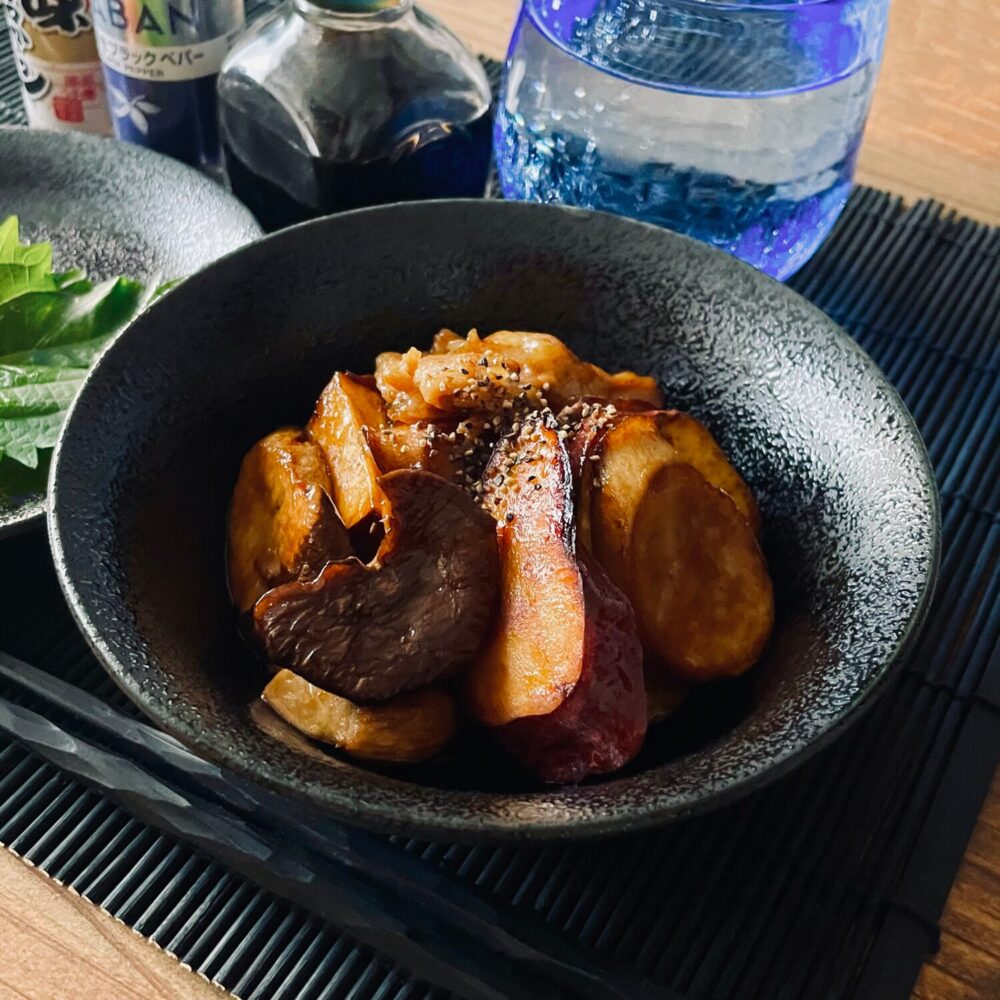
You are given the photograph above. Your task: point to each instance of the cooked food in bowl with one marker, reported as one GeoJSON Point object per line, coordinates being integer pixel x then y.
{"type": "Point", "coordinates": [495, 532]}
{"type": "Point", "coordinates": [245, 348]}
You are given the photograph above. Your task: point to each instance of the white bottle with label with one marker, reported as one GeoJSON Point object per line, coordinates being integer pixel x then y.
{"type": "Point", "coordinates": [62, 82]}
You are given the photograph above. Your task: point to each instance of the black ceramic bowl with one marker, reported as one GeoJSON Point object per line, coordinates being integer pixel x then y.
{"type": "Point", "coordinates": [151, 451]}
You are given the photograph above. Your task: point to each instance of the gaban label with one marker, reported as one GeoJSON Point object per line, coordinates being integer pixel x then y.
{"type": "Point", "coordinates": [161, 58]}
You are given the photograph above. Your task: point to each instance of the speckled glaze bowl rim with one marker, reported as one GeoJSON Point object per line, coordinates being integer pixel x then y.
{"type": "Point", "coordinates": [28, 517]}
{"type": "Point", "coordinates": [553, 814]}
{"type": "Point", "coordinates": [31, 514]}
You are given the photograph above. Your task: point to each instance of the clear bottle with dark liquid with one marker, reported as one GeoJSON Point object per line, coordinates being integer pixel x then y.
{"type": "Point", "coordinates": [328, 105]}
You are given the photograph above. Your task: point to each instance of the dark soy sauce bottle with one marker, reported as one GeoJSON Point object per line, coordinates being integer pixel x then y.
{"type": "Point", "coordinates": [327, 105]}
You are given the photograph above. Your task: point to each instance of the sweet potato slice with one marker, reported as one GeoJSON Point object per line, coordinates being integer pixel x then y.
{"type": "Point", "coordinates": [536, 654]}
{"type": "Point", "coordinates": [618, 462]}
{"type": "Point", "coordinates": [697, 578]}
{"type": "Point", "coordinates": [601, 724]}
{"type": "Point", "coordinates": [419, 612]}
{"type": "Point", "coordinates": [282, 523]}
{"type": "Point", "coordinates": [562, 678]}
{"type": "Point", "coordinates": [695, 446]}
{"type": "Point", "coordinates": [349, 405]}
{"type": "Point", "coordinates": [628, 453]}
{"type": "Point", "coordinates": [406, 730]}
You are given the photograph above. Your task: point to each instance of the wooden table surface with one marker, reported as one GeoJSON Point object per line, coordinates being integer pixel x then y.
{"type": "Point", "coordinates": [934, 131]}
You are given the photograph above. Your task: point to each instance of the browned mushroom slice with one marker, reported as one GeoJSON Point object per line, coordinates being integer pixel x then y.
{"type": "Point", "coordinates": [419, 612]}
{"type": "Point", "coordinates": [282, 523]}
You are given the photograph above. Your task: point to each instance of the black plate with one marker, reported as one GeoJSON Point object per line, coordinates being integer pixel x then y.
{"type": "Point", "coordinates": [152, 447]}
{"type": "Point", "coordinates": [111, 209]}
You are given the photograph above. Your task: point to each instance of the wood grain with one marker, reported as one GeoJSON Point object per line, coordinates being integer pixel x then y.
{"type": "Point", "coordinates": [934, 131]}
{"type": "Point", "coordinates": [54, 945]}
{"type": "Point", "coordinates": [968, 965]}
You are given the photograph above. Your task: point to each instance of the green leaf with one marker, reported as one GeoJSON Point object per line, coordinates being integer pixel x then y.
{"type": "Point", "coordinates": [78, 355]}
{"type": "Point", "coordinates": [67, 317]}
{"type": "Point", "coordinates": [25, 437]}
{"type": "Point", "coordinates": [33, 405]}
{"type": "Point", "coordinates": [48, 340]}
{"type": "Point", "coordinates": [36, 387]}
{"type": "Point", "coordinates": [70, 277]}
{"type": "Point", "coordinates": [18, 376]}
{"type": "Point", "coordinates": [52, 328]}
{"type": "Point", "coordinates": [23, 268]}
{"type": "Point", "coordinates": [166, 287]}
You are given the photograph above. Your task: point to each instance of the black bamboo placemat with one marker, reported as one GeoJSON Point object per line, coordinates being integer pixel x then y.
{"type": "Point", "coordinates": [828, 884]}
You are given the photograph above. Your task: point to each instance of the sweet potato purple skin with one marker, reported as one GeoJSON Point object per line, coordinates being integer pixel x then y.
{"type": "Point", "coordinates": [601, 725]}
{"type": "Point", "coordinates": [561, 684]}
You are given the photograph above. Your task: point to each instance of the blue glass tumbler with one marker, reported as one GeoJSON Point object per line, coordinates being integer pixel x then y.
{"type": "Point", "coordinates": [737, 122]}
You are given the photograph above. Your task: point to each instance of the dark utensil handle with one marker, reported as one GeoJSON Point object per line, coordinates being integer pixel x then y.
{"type": "Point", "coordinates": [383, 886]}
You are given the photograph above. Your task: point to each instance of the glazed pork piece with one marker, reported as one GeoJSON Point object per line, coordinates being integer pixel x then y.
{"type": "Point", "coordinates": [488, 373]}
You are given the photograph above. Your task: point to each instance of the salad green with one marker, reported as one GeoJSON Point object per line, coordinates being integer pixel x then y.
{"type": "Point", "coordinates": [52, 327]}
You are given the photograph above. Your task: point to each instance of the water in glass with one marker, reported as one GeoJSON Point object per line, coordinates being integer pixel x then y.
{"type": "Point", "coordinates": [737, 122]}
